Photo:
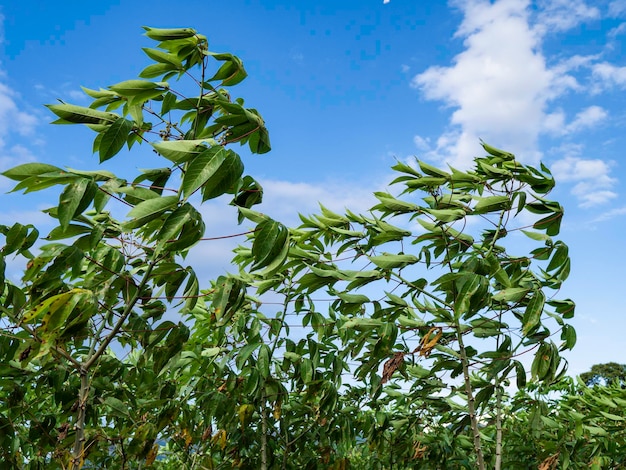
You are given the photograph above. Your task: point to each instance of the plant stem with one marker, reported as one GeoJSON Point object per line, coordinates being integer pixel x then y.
{"type": "Point", "coordinates": [498, 426]}
{"type": "Point", "coordinates": [470, 400]}
{"type": "Point", "coordinates": [263, 435]}
{"type": "Point", "coordinates": [129, 308]}
{"type": "Point", "coordinates": [79, 440]}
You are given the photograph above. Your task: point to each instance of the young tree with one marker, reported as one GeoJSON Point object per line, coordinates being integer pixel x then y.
{"type": "Point", "coordinates": [100, 282]}
{"type": "Point", "coordinates": [436, 292]}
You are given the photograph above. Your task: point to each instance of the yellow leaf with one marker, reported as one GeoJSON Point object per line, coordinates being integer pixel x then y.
{"type": "Point", "coordinates": [427, 342]}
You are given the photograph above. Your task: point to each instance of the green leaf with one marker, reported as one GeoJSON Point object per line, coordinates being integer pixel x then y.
{"type": "Point", "coordinates": [180, 151]}
{"type": "Point", "coordinates": [175, 223]}
{"type": "Point", "coordinates": [542, 362]}
{"type": "Point", "coordinates": [496, 152]}
{"type": "Point", "coordinates": [160, 34]}
{"type": "Point", "coordinates": [551, 224]}
{"type": "Point", "coordinates": [221, 175]}
{"type": "Point", "coordinates": [362, 324]}
{"type": "Point", "coordinates": [537, 236]}
{"type": "Point", "coordinates": [492, 204]}
{"type": "Point", "coordinates": [263, 361]}
{"type": "Point", "coordinates": [269, 240]}
{"type": "Point", "coordinates": [244, 354]}
{"type": "Point", "coordinates": [512, 294]}
{"type": "Point", "coordinates": [72, 230]}
{"type": "Point", "coordinates": [114, 138]}
{"type": "Point", "coordinates": [560, 257]}
{"type": "Point", "coordinates": [393, 261]}
{"type": "Point", "coordinates": [470, 284]}
{"type": "Point", "coordinates": [117, 406]}
{"type": "Point", "coordinates": [149, 210]}
{"type": "Point", "coordinates": [532, 314]}
{"type": "Point", "coordinates": [568, 335]}
{"type": "Point", "coordinates": [26, 170]}
{"type": "Point", "coordinates": [432, 171]}
{"type": "Point", "coordinates": [231, 72]}
{"type": "Point", "coordinates": [69, 113]}
{"type": "Point", "coordinates": [72, 198]}
{"type": "Point", "coordinates": [447, 215]}
{"type": "Point", "coordinates": [157, 70]}
{"type": "Point", "coordinates": [612, 417]}
{"type": "Point", "coordinates": [134, 87]}
{"type": "Point", "coordinates": [163, 57]}
{"type": "Point", "coordinates": [520, 372]}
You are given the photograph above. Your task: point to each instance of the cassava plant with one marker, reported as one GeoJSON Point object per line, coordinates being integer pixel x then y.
{"type": "Point", "coordinates": [439, 296]}
{"type": "Point", "coordinates": [89, 363]}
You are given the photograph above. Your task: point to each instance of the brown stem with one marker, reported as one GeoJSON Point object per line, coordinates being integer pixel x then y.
{"type": "Point", "coordinates": [263, 435]}
{"type": "Point", "coordinates": [480, 460]}
{"type": "Point", "coordinates": [498, 426]}
{"type": "Point", "coordinates": [79, 440]}
{"type": "Point", "coordinates": [129, 307]}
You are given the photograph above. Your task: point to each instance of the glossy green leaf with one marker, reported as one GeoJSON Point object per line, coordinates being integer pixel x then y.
{"type": "Point", "coordinates": [492, 204]}
{"type": "Point", "coordinates": [149, 210]}
{"type": "Point", "coordinates": [80, 115]}
{"type": "Point", "coordinates": [70, 200]}
{"type": "Point", "coordinates": [26, 170]}
{"type": "Point", "coordinates": [114, 138]}
{"type": "Point", "coordinates": [533, 312]}
{"type": "Point", "coordinates": [393, 261]}
{"type": "Point", "coordinates": [161, 34]}
{"type": "Point", "coordinates": [134, 87]}
{"type": "Point", "coordinates": [180, 151]}
{"type": "Point", "coordinates": [263, 361]}
{"type": "Point", "coordinates": [269, 240]}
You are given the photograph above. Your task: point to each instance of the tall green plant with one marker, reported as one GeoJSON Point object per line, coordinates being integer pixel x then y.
{"type": "Point", "coordinates": [99, 281]}
{"type": "Point", "coordinates": [436, 298]}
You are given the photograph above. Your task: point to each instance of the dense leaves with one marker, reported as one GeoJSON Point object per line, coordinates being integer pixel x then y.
{"type": "Point", "coordinates": [380, 340]}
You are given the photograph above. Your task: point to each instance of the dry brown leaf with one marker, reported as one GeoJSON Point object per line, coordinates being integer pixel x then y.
{"type": "Point", "coordinates": [391, 366]}
{"type": "Point", "coordinates": [549, 463]}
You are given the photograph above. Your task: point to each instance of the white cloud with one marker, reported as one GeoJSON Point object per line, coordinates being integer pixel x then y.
{"type": "Point", "coordinates": [588, 117]}
{"type": "Point", "coordinates": [617, 31]}
{"type": "Point", "coordinates": [561, 15]}
{"type": "Point", "coordinates": [608, 215]}
{"type": "Point", "coordinates": [592, 178]}
{"type": "Point", "coordinates": [499, 85]}
{"type": "Point", "coordinates": [608, 75]}
{"type": "Point", "coordinates": [617, 8]}
{"type": "Point", "coordinates": [12, 118]}
{"type": "Point", "coordinates": [421, 143]}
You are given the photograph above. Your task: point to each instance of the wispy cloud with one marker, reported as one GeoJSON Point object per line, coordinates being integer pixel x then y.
{"type": "Point", "coordinates": [561, 15]}
{"type": "Point", "coordinates": [609, 215]}
{"type": "Point", "coordinates": [607, 76]}
{"type": "Point", "coordinates": [591, 177]}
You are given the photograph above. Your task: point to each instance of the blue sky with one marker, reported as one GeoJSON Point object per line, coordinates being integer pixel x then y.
{"type": "Point", "coordinates": [347, 87]}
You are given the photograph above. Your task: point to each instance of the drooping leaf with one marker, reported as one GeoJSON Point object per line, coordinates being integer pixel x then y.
{"type": "Point", "coordinates": [74, 196]}
{"type": "Point", "coordinates": [26, 170]}
{"type": "Point", "coordinates": [114, 138]}
{"type": "Point", "coordinates": [269, 241]}
{"type": "Point", "coordinates": [180, 151]}
{"type": "Point", "coordinates": [149, 210]}
{"type": "Point", "coordinates": [393, 261]}
{"type": "Point", "coordinates": [533, 312]}
{"type": "Point", "coordinates": [69, 113]}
